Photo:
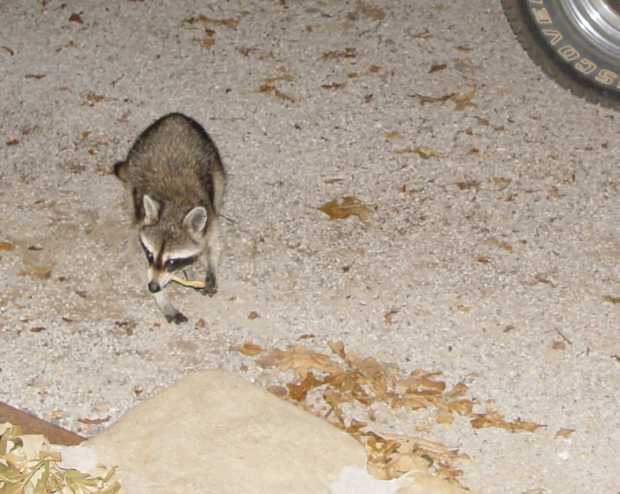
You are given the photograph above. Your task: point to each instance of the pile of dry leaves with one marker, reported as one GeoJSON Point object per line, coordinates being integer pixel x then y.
{"type": "Point", "coordinates": [347, 379]}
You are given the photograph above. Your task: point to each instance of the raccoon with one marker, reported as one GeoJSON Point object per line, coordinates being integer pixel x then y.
{"type": "Point", "coordinates": [176, 182]}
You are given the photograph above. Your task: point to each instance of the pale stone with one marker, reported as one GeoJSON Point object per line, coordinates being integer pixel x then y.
{"type": "Point", "coordinates": [215, 433]}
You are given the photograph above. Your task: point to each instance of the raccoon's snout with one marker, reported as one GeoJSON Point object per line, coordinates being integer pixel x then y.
{"type": "Point", "coordinates": [154, 287]}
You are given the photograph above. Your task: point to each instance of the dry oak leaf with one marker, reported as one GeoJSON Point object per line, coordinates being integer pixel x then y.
{"type": "Point", "coordinates": [463, 100]}
{"type": "Point", "coordinates": [494, 419]}
{"type": "Point", "coordinates": [425, 153]}
{"type": "Point", "coordinates": [39, 272]}
{"type": "Point", "coordinates": [370, 11]}
{"type": "Point", "coordinates": [92, 98]}
{"type": "Point", "coordinates": [337, 55]}
{"type": "Point", "coordinates": [564, 432]}
{"type": "Point", "coordinates": [393, 136]}
{"type": "Point", "coordinates": [437, 67]}
{"type": "Point", "coordinates": [76, 18]}
{"type": "Point", "coordinates": [426, 34]}
{"type": "Point", "coordinates": [250, 349]}
{"type": "Point", "coordinates": [349, 206]}
{"type": "Point", "coordinates": [421, 151]}
{"type": "Point", "coordinates": [500, 182]}
{"type": "Point", "coordinates": [300, 360]}
{"type": "Point", "coordinates": [208, 21]}
{"type": "Point", "coordinates": [6, 247]}
{"type": "Point", "coordinates": [611, 299]}
{"type": "Point", "coordinates": [333, 86]}
{"type": "Point", "coordinates": [338, 348]}
{"type": "Point", "coordinates": [298, 392]}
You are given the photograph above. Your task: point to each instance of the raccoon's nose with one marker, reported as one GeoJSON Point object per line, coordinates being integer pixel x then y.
{"type": "Point", "coordinates": [154, 287]}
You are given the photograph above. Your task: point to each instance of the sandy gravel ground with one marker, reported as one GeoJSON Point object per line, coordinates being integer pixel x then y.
{"type": "Point", "coordinates": [495, 262]}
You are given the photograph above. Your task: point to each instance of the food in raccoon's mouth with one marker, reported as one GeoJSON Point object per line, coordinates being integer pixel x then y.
{"type": "Point", "coordinates": [189, 283]}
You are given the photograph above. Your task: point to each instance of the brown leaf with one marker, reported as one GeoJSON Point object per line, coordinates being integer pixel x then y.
{"type": "Point", "coordinates": [250, 349]}
{"type": "Point", "coordinates": [349, 206]}
{"type": "Point", "coordinates": [422, 151]}
{"type": "Point", "coordinates": [426, 153]}
{"type": "Point", "coordinates": [299, 359]}
{"type": "Point", "coordinates": [39, 272]}
{"type": "Point", "coordinates": [558, 345]}
{"type": "Point", "coordinates": [206, 22]}
{"type": "Point", "coordinates": [38, 329]}
{"type": "Point", "coordinates": [35, 76]}
{"type": "Point", "coordinates": [12, 142]}
{"type": "Point", "coordinates": [468, 184]}
{"type": "Point", "coordinates": [8, 50]}
{"type": "Point", "coordinates": [433, 99]}
{"type": "Point", "coordinates": [76, 18]}
{"type": "Point", "coordinates": [387, 317]}
{"type": "Point", "coordinates": [611, 299]}
{"type": "Point", "coordinates": [253, 315]}
{"type": "Point", "coordinates": [495, 419]}
{"type": "Point", "coordinates": [463, 100]}
{"type": "Point", "coordinates": [6, 247]}
{"type": "Point", "coordinates": [426, 34]}
{"type": "Point", "coordinates": [370, 11]}
{"type": "Point", "coordinates": [500, 182]}
{"type": "Point", "coordinates": [268, 86]}
{"type": "Point", "coordinates": [375, 69]}
{"type": "Point", "coordinates": [338, 55]}
{"type": "Point", "coordinates": [457, 391]}
{"type": "Point", "coordinates": [92, 98]}
{"type": "Point", "coordinates": [208, 42]}
{"type": "Point", "coordinates": [298, 392]}
{"type": "Point", "coordinates": [338, 348]}
{"type": "Point", "coordinates": [501, 244]}
{"type": "Point", "coordinates": [334, 85]}
{"type": "Point", "coordinates": [437, 67]}
{"type": "Point", "coordinates": [484, 259]}
{"type": "Point", "coordinates": [392, 136]}
{"type": "Point", "coordinates": [564, 432]}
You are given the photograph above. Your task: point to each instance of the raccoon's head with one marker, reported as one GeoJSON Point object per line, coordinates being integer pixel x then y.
{"type": "Point", "coordinates": [170, 242]}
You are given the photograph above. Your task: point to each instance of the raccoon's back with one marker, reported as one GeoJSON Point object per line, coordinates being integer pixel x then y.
{"type": "Point", "coordinates": [174, 159]}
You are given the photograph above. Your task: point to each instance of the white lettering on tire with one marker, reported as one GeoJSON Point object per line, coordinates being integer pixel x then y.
{"type": "Point", "coordinates": [569, 53]}
{"type": "Point", "coordinates": [607, 77]}
{"type": "Point", "coordinates": [554, 36]}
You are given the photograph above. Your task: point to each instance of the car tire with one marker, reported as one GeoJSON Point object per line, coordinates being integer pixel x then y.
{"type": "Point", "coordinates": [575, 42]}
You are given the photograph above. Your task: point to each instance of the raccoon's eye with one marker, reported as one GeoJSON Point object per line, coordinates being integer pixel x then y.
{"type": "Point", "coordinates": [170, 264]}
{"type": "Point", "coordinates": [179, 263]}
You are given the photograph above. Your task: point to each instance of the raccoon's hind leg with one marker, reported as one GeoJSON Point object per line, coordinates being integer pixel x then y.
{"type": "Point", "coordinates": [171, 314]}
{"type": "Point", "coordinates": [211, 257]}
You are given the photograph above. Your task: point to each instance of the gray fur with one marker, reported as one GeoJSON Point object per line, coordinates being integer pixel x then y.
{"type": "Point", "coordinates": [176, 181]}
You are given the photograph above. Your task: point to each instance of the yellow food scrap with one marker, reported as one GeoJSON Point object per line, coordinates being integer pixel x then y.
{"type": "Point", "coordinates": [189, 283]}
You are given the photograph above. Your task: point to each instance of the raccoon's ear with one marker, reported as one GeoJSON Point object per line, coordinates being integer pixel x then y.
{"type": "Point", "coordinates": [118, 169]}
{"type": "Point", "coordinates": [151, 210]}
{"type": "Point", "coordinates": [196, 220]}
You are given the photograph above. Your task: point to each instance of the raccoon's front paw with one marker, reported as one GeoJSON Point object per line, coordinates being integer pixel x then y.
{"type": "Point", "coordinates": [210, 286]}
{"type": "Point", "coordinates": [176, 318]}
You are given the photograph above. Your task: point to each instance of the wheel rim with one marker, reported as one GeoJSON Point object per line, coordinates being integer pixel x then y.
{"type": "Point", "coordinates": [599, 21]}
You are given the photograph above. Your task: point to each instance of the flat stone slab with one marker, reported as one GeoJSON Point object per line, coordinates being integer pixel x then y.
{"type": "Point", "coordinates": [214, 432]}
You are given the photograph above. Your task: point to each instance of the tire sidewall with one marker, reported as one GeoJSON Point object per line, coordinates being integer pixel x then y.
{"type": "Point", "coordinates": [570, 47]}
